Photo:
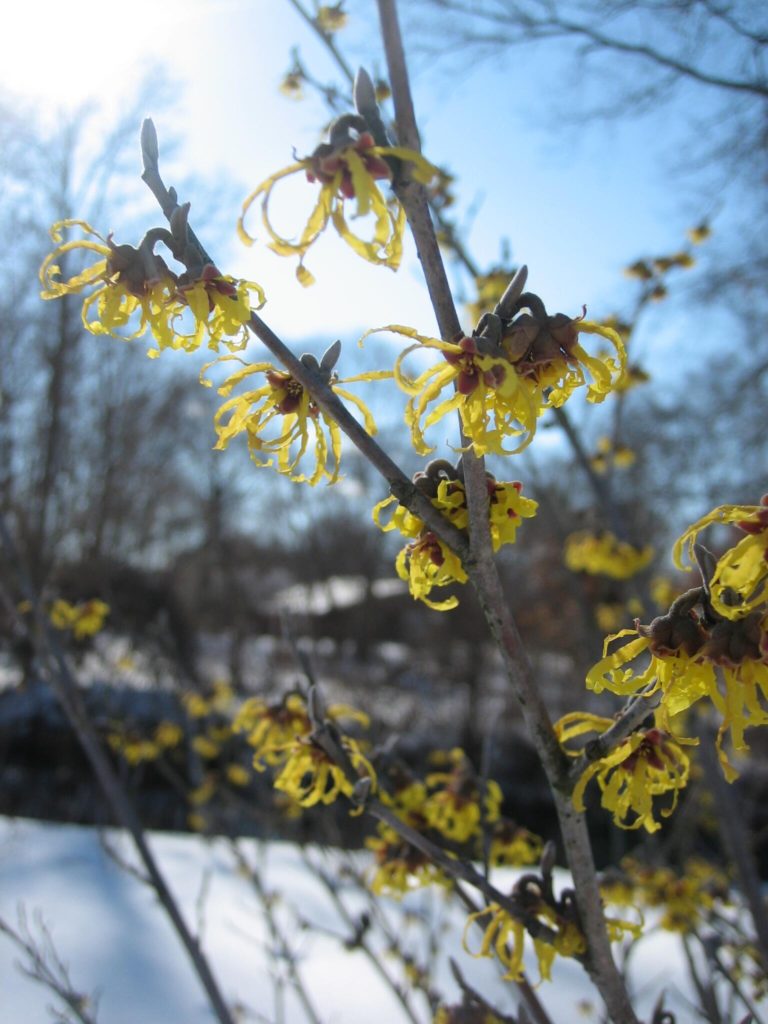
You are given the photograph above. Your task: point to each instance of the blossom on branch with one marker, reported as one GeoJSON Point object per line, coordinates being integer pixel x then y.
{"type": "Point", "coordinates": [605, 555]}
{"type": "Point", "coordinates": [461, 804]}
{"type": "Point", "coordinates": [648, 763]}
{"type": "Point", "coordinates": [310, 776]}
{"type": "Point", "coordinates": [283, 409]}
{"type": "Point", "coordinates": [128, 281]}
{"type": "Point", "coordinates": [82, 620]}
{"type": "Point", "coordinates": [347, 169]}
{"type": "Point", "coordinates": [692, 658]}
{"type": "Point", "coordinates": [739, 584]}
{"type": "Point", "coordinates": [427, 562]}
{"type": "Point", "coordinates": [503, 377]}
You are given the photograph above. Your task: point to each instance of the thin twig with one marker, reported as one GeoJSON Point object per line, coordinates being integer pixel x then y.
{"type": "Point", "coordinates": [57, 673]}
{"type": "Point", "coordinates": [45, 966]}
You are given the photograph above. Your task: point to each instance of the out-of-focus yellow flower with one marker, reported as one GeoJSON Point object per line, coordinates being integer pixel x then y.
{"type": "Point", "coordinates": [292, 85]}
{"type": "Point", "coordinates": [685, 897]}
{"type": "Point", "coordinates": [128, 281]}
{"type": "Point", "coordinates": [168, 735]}
{"type": "Point", "coordinates": [461, 803]}
{"type": "Point", "coordinates": [646, 764]}
{"type": "Point", "coordinates": [462, 1014]}
{"type": "Point", "coordinates": [347, 168]}
{"type": "Point", "coordinates": [663, 592]}
{"type": "Point", "coordinates": [310, 777]}
{"type": "Point", "coordinates": [331, 17]}
{"type": "Point", "coordinates": [205, 747]}
{"type": "Point", "coordinates": [740, 581]}
{"type": "Point", "coordinates": [632, 376]}
{"type": "Point", "coordinates": [237, 775]}
{"type": "Point", "coordinates": [196, 705]}
{"type": "Point", "coordinates": [700, 233]}
{"type": "Point", "coordinates": [133, 748]}
{"type": "Point", "coordinates": [605, 555]}
{"type": "Point", "coordinates": [83, 620]}
{"type": "Point", "coordinates": [203, 793]}
{"type": "Point", "coordinates": [608, 454]}
{"type": "Point", "coordinates": [400, 867]}
{"type": "Point", "coordinates": [640, 270]}
{"type": "Point", "coordinates": [282, 400]}
{"type": "Point", "coordinates": [272, 729]}
{"type": "Point", "coordinates": [513, 846]}
{"type": "Point", "coordinates": [489, 288]}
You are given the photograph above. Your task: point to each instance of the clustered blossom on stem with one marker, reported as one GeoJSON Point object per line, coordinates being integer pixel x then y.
{"type": "Point", "coordinates": [347, 168]}
{"type": "Point", "coordinates": [455, 805]}
{"type": "Point", "coordinates": [552, 920]}
{"type": "Point", "coordinates": [604, 554]}
{"type": "Point", "coordinates": [427, 562]}
{"type": "Point", "coordinates": [505, 375]}
{"type": "Point", "coordinates": [82, 620]}
{"type": "Point", "coordinates": [647, 764]}
{"type": "Point", "coordinates": [283, 736]}
{"type": "Point", "coordinates": [460, 804]}
{"type": "Point", "coordinates": [685, 896]}
{"type": "Point", "coordinates": [712, 643]}
{"type": "Point", "coordinates": [739, 584]}
{"type": "Point", "coordinates": [128, 281]}
{"type": "Point", "coordinates": [284, 409]}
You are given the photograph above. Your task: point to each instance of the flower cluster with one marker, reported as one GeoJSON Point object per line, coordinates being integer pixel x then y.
{"type": "Point", "coordinates": [346, 167]}
{"type": "Point", "coordinates": [82, 620]}
{"type": "Point", "coordinates": [647, 764]}
{"type": "Point", "coordinates": [505, 375]}
{"type": "Point", "coordinates": [609, 455]}
{"type": "Point", "coordinates": [605, 555]}
{"type": "Point", "coordinates": [281, 400]}
{"type": "Point", "coordinates": [128, 281]}
{"type": "Point", "coordinates": [427, 562]}
{"type": "Point", "coordinates": [283, 736]}
{"type": "Point", "coordinates": [136, 749]}
{"type": "Point", "coordinates": [459, 803]}
{"type": "Point", "coordinates": [740, 581]}
{"type": "Point", "coordinates": [695, 652]}
{"type": "Point", "coordinates": [685, 897]}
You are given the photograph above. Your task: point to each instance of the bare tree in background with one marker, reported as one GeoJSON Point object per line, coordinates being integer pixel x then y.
{"type": "Point", "coordinates": [610, 58]}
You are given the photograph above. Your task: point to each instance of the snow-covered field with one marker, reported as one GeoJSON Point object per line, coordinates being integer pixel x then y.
{"type": "Point", "coordinates": [114, 937]}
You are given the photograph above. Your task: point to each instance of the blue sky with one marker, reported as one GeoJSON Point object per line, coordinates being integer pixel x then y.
{"type": "Point", "coordinates": [576, 205]}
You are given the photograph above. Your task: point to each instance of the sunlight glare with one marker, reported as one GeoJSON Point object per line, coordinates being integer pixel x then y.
{"type": "Point", "coordinates": [60, 54]}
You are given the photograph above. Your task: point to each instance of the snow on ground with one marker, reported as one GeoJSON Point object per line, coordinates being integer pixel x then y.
{"type": "Point", "coordinates": [114, 937]}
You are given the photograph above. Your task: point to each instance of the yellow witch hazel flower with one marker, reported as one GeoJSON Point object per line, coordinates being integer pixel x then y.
{"type": "Point", "coordinates": [331, 17]}
{"type": "Point", "coordinates": [427, 562]}
{"type": "Point", "coordinates": [503, 377]}
{"type": "Point", "coordinates": [309, 775]}
{"type": "Point", "coordinates": [695, 656]}
{"type": "Point", "coordinates": [282, 408]}
{"type": "Point", "coordinates": [83, 620]}
{"type": "Point", "coordinates": [273, 729]}
{"type": "Point", "coordinates": [347, 168]}
{"type": "Point", "coordinates": [128, 281]}
{"type": "Point", "coordinates": [605, 555]}
{"type": "Point", "coordinates": [739, 584]}
{"type": "Point", "coordinates": [686, 897]}
{"type": "Point", "coordinates": [648, 763]}
{"type": "Point", "coordinates": [460, 804]}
